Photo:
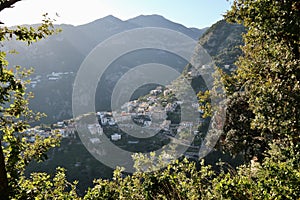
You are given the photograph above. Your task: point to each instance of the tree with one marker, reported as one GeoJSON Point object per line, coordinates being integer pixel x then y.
{"type": "Point", "coordinates": [267, 81]}
{"type": "Point", "coordinates": [7, 4]}
{"type": "Point", "coordinates": [276, 177]}
{"type": "Point", "coordinates": [15, 116]}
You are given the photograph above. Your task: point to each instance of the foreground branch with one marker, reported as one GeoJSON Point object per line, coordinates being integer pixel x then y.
{"type": "Point", "coordinates": [7, 4]}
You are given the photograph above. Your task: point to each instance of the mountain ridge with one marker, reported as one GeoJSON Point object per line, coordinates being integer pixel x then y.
{"type": "Point", "coordinates": [160, 21]}
{"type": "Point", "coordinates": [64, 53]}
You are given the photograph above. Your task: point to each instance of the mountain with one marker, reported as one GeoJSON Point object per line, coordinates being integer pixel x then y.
{"type": "Point", "coordinates": [57, 59]}
{"type": "Point", "coordinates": [222, 42]}
{"type": "Point", "coordinates": [160, 21]}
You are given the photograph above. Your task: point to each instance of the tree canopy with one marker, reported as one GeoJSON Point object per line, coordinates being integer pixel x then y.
{"type": "Point", "coordinates": [266, 84]}
{"type": "Point", "coordinates": [16, 152]}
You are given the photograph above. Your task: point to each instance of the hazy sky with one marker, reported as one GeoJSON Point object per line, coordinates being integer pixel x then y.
{"type": "Point", "coordinates": [191, 13]}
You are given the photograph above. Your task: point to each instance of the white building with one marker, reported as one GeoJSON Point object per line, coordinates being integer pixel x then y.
{"type": "Point", "coordinates": [60, 124]}
{"type": "Point", "coordinates": [116, 137]}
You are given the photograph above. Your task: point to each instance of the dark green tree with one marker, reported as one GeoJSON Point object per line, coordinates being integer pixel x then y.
{"type": "Point", "coordinates": [265, 90]}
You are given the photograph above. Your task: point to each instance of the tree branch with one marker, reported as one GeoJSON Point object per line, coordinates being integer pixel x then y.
{"type": "Point", "coordinates": [3, 177]}
{"type": "Point", "coordinates": [7, 4]}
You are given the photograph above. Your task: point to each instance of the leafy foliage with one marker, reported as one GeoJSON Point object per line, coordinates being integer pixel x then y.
{"type": "Point", "coordinates": [15, 116]}
{"type": "Point", "coordinates": [277, 177]}
{"type": "Point", "coordinates": [180, 180]}
{"type": "Point", "coordinates": [265, 88]}
{"type": "Point", "coordinates": [42, 186]}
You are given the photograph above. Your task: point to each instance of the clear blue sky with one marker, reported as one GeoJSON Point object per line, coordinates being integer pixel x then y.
{"type": "Point", "coordinates": [191, 13]}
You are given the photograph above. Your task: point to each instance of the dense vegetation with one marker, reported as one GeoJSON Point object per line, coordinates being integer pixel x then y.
{"type": "Point", "coordinates": [262, 124]}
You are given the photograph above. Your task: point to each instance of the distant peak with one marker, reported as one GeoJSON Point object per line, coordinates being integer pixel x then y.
{"type": "Point", "coordinates": [110, 17]}
{"type": "Point", "coordinates": [148, 16]}
{"type": "Point", "coordinates": [153, 15]}
{"type": "Point", "coordinates": [106, 19]}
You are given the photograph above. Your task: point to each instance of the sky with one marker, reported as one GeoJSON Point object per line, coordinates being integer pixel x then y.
{"type": "Point", "coordinates": [191, 13]}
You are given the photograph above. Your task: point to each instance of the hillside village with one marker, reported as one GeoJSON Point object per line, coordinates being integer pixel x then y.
{"type": "Point", "coordinates": [156, 113]}
{"type": "Point", "coordinates": [54, 76]}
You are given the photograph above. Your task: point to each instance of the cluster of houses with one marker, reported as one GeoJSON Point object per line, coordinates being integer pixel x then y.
{"type": "Point", "coordinates": [149, 117]}
{"type": "Point", "coordinates": [151, 107]}
{"type": "Point", "coordinates": [65, 128]}
{"type": "Point", "coordinates": [54, 76]}
{"type": "Point", "coordinates": [147, 113]}
{"type": "Point", "coordinates": [106, 119]}
{"type": "Point", "coordinates": [31, 134]}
